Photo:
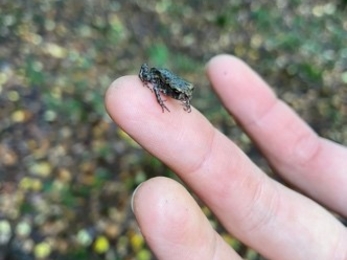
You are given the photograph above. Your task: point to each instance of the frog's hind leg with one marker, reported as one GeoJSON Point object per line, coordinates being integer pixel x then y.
{"type": "Point", "coordinates": [186, 105]}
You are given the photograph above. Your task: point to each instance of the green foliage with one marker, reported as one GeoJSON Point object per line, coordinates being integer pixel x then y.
{"type": "Point", "coordinates": [34, 71]}
{"type": "Point", "coordinates": [159, 54]}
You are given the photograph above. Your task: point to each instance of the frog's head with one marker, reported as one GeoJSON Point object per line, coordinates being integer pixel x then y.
{"type": "Point", "coordinates": [144, 73]}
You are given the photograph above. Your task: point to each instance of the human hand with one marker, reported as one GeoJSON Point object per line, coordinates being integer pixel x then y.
{"type": "Point", "coordinates": [278, 222]}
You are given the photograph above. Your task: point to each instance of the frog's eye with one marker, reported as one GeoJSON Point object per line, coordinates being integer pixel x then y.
{"type": "Point", "coordinates": [144, 67]}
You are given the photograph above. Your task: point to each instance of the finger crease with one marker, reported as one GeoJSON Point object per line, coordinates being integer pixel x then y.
{"type": "Point", "coordinates": [260, 117]}
{"type": "Point", "coordinates": [206, 157]}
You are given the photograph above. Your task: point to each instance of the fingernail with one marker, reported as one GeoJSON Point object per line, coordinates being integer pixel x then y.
{"type": "Point", "coordinates": [133, 197]}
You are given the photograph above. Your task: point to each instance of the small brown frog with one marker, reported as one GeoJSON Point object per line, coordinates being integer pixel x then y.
{"type": "Point", "coordinates": [166, 82]}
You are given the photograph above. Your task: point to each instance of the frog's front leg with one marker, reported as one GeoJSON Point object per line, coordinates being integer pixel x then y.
{"type": "Point", "coordinates": [146, 83]}
{"type": "Point", "coordinates": [159, 99]}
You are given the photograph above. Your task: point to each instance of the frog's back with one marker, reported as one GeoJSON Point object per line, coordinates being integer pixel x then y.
{"type": "Point", "coordinates": [173, 80]}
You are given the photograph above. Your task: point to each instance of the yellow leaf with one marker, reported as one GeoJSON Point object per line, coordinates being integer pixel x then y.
{"type": "Point", "coordinates": [42, 250]}
{"type": "Point", "coordinates": [101, 245]}
{"type": "Point", "coordinates": [55, 50]}
{"type": "Point", "coordinates": [42, 169]}
{"type": "Point", "coordinates": [137, 242]}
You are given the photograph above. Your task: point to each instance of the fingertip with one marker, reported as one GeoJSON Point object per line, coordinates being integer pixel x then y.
{"type": "Point", "coordinates": [167, 215]}
{"type": "Point", "coordinates": [173, 224]}
{"type": "Point", "coordinates": [222, 58]}
{"type": "Point", "coordinates": [226, 68]}
{"type": "Point", "coordinates": [165, 211]}
{"type": "Point", "coordinates": [242, 91]}
{"type": "Point", "coordinates": [160, 202]}
{"type": "Point", "coordinates": [123, 97]}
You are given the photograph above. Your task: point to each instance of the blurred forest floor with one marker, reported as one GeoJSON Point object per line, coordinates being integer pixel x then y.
{"type": "Point", "coordinates": [67, 172]}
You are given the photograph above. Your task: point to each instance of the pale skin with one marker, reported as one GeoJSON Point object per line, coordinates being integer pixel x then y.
{"type": "Point", "coordinates": [276, 221]}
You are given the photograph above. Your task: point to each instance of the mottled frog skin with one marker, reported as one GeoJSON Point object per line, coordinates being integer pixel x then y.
{"type": "Point", "coordinates": [165, 82]}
